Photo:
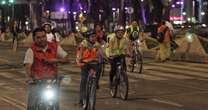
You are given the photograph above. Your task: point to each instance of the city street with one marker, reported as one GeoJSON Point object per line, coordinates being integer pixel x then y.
{"type": "Point", "coordinates": [173, 85]}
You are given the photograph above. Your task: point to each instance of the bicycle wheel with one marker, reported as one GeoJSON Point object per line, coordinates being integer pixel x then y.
{"type": "Point", "coordinates": [86, 96]}
{"type": "Point", "coordinates": [92, 95]}
{"type": "Point", "coordinates": [114, 87]}
{"type": "Point", "coordinates": [132, 63]}
{"type": "Point", "coordinates": [139, 62]}
{"type": "Point", "coordinates": [123, 85]}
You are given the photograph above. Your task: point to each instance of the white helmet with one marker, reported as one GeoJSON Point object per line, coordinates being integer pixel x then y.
{"type": "Point", "coordinates": [119, 28]}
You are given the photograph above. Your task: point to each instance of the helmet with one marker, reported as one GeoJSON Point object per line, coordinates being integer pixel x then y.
{"type": "Point", "coordinates": [84, 29]}
{"type": "Point", "coordinates": [89, 33]}
{"type": "Point", "coordinates": [46, 23]}
{"type": "Point", "coordinates": [119, 28]}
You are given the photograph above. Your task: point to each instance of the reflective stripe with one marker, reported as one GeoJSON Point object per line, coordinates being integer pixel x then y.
{"type": "Point", "coordinates": [118, 45]}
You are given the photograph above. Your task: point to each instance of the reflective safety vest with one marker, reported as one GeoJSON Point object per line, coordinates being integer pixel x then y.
{"type": "Point", "coordinates": [116, 46]}
{"type": "Point", "coordinates": [87, 56]}
{"type": "Point", "coordinates": [134, 33]}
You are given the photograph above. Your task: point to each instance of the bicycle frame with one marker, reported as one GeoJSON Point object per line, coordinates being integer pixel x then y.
{"type": "Point", "coordinates": [136, 46]}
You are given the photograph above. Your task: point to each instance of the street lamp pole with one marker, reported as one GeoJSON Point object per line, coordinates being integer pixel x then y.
{"type": "Point", "coordinates": [12, 11]}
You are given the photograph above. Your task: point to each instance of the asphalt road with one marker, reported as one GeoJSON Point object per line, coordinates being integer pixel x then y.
{"type": "Point", "coordinates": [162, 86]}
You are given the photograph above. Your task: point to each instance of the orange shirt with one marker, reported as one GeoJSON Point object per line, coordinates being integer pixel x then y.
{"type": "Point", "coordinates": [168, 35]}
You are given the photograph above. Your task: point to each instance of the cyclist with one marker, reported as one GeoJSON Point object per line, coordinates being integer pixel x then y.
{"type": "Point", "coordinates": [51, 35]}
{"type": "Point", "coordinates": [134, 32]}
{"type": "Point", "coordinates": [89, 50]}
{"type": "Point", "coordinates": [41, 62]}
{"type": "Point", "coordinates": [100, 34]}
{"type": "Point", "coordinates": [117, 47]}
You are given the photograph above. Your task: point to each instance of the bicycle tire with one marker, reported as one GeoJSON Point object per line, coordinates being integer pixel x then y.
{"type": "Point", "coordinates": [133, 62]}
{"type": "Point", "coordinates": [123, 85]}
{"type": "Point", "coordinates": [86, 98]}
{"type": "Point", "coordinates": [139, 61]}
{"type": "Point", "coordinates": [92, 96]}
{"type": "Point", "coordinates": [114, 87]}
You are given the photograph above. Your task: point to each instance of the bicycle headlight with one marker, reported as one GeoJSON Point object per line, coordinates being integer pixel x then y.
{"type": "Point", "coordinates": [103, 45]}
{"type": "Point", "coordinates": [138, 41]}
{"type": "Point", "coordinates": [49, 93]}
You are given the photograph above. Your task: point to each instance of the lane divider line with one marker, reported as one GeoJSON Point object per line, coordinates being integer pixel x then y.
{"type": "Point", "coordinates": [13, 103]}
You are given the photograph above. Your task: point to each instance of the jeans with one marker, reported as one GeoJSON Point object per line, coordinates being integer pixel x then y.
{"type": "Point", "coordinates": [84, 76]}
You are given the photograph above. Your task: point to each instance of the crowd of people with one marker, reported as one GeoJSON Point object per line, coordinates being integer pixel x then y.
{"type": "Point", "coordinates": [42, 57]}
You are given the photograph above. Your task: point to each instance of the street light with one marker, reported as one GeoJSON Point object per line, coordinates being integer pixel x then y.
{"type": "Point", "coordinates": [113, 9]}
{"type": "Point", "coordinates": [189, 19]}
{"type": "Point", "coordinates": [173, 6]}
{"type": "Point", "coordinates": [3, 2]}
{"type": "Point", "coordinates": [202, 13]}
{"type": "Point", "coordinates": [184, 13]}
{"type": "Point", "coordinates": [11, 1]}
{"type": "Point", "coordinates": [62, 9]}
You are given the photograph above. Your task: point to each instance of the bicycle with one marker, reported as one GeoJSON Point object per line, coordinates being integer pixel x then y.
{"type": "Point", "coordinates": [89, 100]}
{"type": "Point", "coordinates": [47, 96]}
{"type": "Point", "coordinates": [120, 80]}
{"type": "Point", "coordinates": [103, 65]}
{"type": "Point", "coordinates": [137, 58]}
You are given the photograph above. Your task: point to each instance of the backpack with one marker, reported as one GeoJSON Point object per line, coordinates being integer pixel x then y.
{"type": "Point", "coordinates": [161, 35]}
{"type": "Point", "coordinates": [134, 35]}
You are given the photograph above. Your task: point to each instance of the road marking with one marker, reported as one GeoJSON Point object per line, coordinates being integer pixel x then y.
{"type": "Point", "coordinates": [165, 69]}
{"type": "Point", "coordinates": [167, 102]}
{"type": "Point", "coordinates": [203, 65]}
{"type": "Point", "coordinates": [16, 101]}
{"type": "Point", "coordinates": [4, 60]}
{"type": "Point", "coordinates": [13, 103]}
{"type": "Point", "coordinates": [132, 76]}
{"type": "Point", "coordinates": [168, 75]}
{"type": "Point", "coordinates": [183, 67]}
{"type": "Point", "coordinates": [145, 76]}
{"type": "Point", "coordinates": [12, 76]}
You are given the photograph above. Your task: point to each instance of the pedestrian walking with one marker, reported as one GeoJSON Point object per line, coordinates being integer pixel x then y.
{"type": "Point", "coordinates": [14, 30]}
{"type": "Point", "coordinates": [164, 38]}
